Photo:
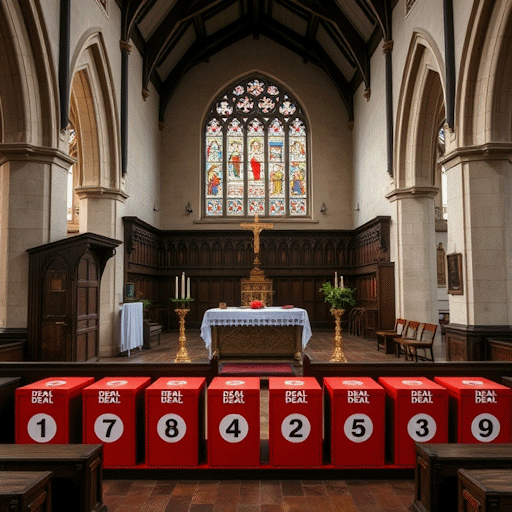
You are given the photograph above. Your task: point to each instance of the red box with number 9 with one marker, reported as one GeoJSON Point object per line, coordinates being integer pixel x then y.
{"type": "Point", "coordinates": [416, 410]}
{"type": "Point", "coordinates": [234, 422]}
{"type": "Point", "coordinates": [175, 421]}
{"type": "Point", "coordinates": [479, 409]}
{"type": "Point", "coordinates": [295, 421]}
{"type": "Point", "coordinates": [355, 421]}
{"type": "Point", "coordinates": [114, 415]}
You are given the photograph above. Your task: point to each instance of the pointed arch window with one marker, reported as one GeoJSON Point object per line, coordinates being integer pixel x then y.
{"type": "Point", "coordinates": [255, 153]}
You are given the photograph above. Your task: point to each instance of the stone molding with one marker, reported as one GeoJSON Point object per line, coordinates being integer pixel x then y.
{"type": "Point", "coordinates": [412, 193]}
{"type": "Point", "coordinates": [487, 151]}
{"type": "Point", "coordinates": [98, 192]}
{"type": "Point", "coordinates": [30, 153]}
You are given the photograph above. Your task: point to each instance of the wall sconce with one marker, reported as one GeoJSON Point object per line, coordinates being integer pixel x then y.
{"type": "Point", "coordinates": [323, 209]}
{"type": "Point", "coordinates": [357, 207]}
{"type": "Point", "coordinates": [188, 208]}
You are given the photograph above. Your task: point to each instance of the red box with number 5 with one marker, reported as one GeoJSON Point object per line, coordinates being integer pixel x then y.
{"type": "Point", "coordinates": [234, 422]}
{"type": "Point", "coordinates": [479, 409]}
{"type": "Point", "coordinates": [295, 421]}
{"type": "Point", "coordinates": [50, 410]}
{"type": "Point", "coordinates": [175, 421]}
{"type": "Point", "coordinates": [416, 410]}
{"type": "Point", "coordinates": [114, 415]}
{"type": "Point", "coordinates": [355, 421]}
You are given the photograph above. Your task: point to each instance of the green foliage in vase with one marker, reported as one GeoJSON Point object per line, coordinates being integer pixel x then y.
{"type": "Point", "coordinates": [338, 298]}
{"type": "Point", "coordinates": [146, 303]}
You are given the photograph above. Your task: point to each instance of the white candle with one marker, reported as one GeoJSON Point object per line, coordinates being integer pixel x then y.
{"type": "Point", "coordinates": [176, 289]}
{"type": "Point", "coordinates": [183, 285]}
{"type": "Point", "coordinates": [341, 282]}
{"type": "Point", "coordinates": [335, 279]}
{"type": "Point", "coordinates": [188, 287]}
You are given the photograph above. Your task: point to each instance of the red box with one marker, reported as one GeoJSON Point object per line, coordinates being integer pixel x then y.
{"type": "Point", "coordinates": [50, 410]}
{"type": "Point", "coordinates": [295, 421]}
{"type": "Point", "coordinates": [234, 421]}
{"type": "Point", "coordinates": [114, 416]}
{"type": "Point", "coordinates": [416, 410]}
{"type": "Point", "coordinates": [175, 421]}
{"type": "Point", "coordinates": [479, 409]}
{"type": "Point", "coordinates": [355, 415]}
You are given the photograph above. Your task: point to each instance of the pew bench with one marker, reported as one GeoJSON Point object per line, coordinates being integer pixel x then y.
{"type": "Point", "coordinates": [76, 472]}
{"type": "Point", "coordinates": [25, 491]}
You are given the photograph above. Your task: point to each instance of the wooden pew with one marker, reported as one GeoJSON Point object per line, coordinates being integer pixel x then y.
{"type": "Point", "coordinates": [8, 387]}
{"type": "Point", "coordinates": [437, 466]}
{"type": "Point", "coordinates": [76, 468]}
{"type": "Point", "coordinates": [25, 491]}
{"type": "Point", "coordinates": [485, 490]}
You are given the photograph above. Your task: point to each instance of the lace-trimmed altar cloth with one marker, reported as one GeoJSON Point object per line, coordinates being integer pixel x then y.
{"type": "Point", "coordinates": [265, 316]}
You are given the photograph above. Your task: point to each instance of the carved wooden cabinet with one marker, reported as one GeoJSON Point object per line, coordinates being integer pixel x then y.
{"type": "Point", "coordinates": [64, 292]}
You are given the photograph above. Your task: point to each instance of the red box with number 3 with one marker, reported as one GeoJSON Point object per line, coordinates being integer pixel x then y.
{"type": "Point", "coordinates": [114, 416]}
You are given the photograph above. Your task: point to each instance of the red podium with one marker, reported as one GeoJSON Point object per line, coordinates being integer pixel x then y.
{"type": "Point", "coordinates": [114, 416]}
{"type": "Point", "coordinates": [234, 421]}
{"type": "Point", "coordinates": [355, 421]}
{"type": "Point", "coordinates": [416, 410]}
{"type": "Point", "coordinates": [175, 421]}
{"type": "Point", "coordinates": [479, 409]}
{"type": "Point", "coordinates": [50, 410]}
{"type": "Point", "coordinates": [295, 421]}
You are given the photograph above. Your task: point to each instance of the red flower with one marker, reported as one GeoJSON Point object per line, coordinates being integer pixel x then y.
{"type": "Point", "coordinates": [257, 304]}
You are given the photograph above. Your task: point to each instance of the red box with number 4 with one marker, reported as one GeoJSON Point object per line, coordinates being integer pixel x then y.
{"type": "Point", "coordinates": [479, 409]}
{"type": "Point", "coordinates": [234, 421]}
{"type": "Point", "coordinates": [114, 416]}
{"type": "Point", "coordinates": [50, 410]}
{"type": "Point", "coordinates": [175, 421]}
{"type": "Point", "coordinates": [295, 421]}
{"type": "Point", "coordinates": [355, 421]}
{"type": "Point", "coordinates": [417, 410]}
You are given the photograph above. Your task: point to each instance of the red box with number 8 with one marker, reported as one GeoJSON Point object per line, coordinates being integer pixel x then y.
{"type": "Point", "coordinates": [114, 415]}
{"type": "Point", "coordinates": [479, 410]}
{"type": "Point", "coordinates": [234, 422]}
{"type": "Point", "coordinates": [295, 421]}
{"type": "Point", "coordinates": [355, 421]}
{"type": "Point", "coordinates": [416, 410]}
{"type": "Point", "coordinates": [175, 421]}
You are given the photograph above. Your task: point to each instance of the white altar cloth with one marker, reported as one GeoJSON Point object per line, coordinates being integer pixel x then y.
{"type": "Point", "coordinates": [248, 316]}
{"type": "Point", "coordinates": [131, 326]}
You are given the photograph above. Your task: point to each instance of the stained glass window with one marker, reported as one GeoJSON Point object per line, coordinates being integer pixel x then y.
{"type": "Point", "coordinates": [256, 153]}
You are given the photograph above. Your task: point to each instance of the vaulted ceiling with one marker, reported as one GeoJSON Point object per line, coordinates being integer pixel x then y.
{"type": "Point", "coordinates": [339, 36]}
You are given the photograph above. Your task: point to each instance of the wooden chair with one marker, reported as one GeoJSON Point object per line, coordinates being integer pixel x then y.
{"type": "Point", "coordinates": [424, 343]}
{"type": "Point", "coordinates": [385, 338]}
{"type": "Point", "coordinates": [410, 332]}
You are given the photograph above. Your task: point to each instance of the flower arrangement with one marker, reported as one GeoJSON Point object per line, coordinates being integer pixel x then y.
{"type": "Point", "coordinates": [338, 298]}
{"type": "Point", "coordinates": [256, 304]}
{"type": "Point", "coordinates": [145, 303]}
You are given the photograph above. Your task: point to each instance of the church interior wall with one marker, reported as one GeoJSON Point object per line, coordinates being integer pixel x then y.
{"type": "Point", "coordinates": [331, 146]}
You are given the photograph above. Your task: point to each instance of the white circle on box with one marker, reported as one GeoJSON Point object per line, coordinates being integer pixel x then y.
{"type": "Point", "coordinates": [294, 382]}
{"type": "Point", "coordinates": [472, 382]}
{"type": "Point", "coordinates": [54, 383]}
{"type": "Point", "coordinates": [117, 383]}
{"type": "Point", "coordinates": [41, 428]}
{"type": "Point", "coordinates": [108, 427]}
{"type": "Point", "coordinates": [176, 382]}
{"type": "Point", "coordinates": [358, 428]}
{"type": "Point", "coordinates": [485, 427]}
{"type": "Point", "coordinates": [412, 382]}
{"type": "Point", "coordinates": [171, 428]}
{"type": "Point", "coordinates": [233, 428]}
{"type": "Point", "coordinates": [422, 427]}
{"type": "Point", "coordinates": [295, 428]}
{"type": "Point", "coordinates": [235, 382]}
{"type": "Point", "coordinates": [352, 383]}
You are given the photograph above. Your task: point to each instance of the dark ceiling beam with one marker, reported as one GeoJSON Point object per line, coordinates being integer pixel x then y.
{"type": "Point", "coordinates": [200, 28]}
{"type": "Point", "coordinates": [130, 11]}
{"type": "Point", "coordinates": [312, 27]}
{"type": "Point", "coordinates": [254, 12]}
{"type": "Point", "coordinates": [382, 10]}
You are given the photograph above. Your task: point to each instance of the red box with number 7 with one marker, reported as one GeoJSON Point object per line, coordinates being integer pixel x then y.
{"type": "Point", "coordinates": [175, 421]}
{"type": "Point", "coordinates": [355, 421]}
{"type": "Point", "coordinates": [479, 409]}
{"type": "Point", "coordinates": [416, 410]}
{"type": "Point", "coordinates": [114, 415]}
{"type": "Point", "coordinates": [295, 421]}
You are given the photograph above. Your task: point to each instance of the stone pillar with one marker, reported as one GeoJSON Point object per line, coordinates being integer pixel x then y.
{"type": "Point", "coordinates": [33, 191]}
{"type": "Point", "coordinates": [416, 264]}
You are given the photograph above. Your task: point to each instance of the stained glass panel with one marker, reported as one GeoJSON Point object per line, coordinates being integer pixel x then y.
{"type": "Point", "coordinates": [236, 178]}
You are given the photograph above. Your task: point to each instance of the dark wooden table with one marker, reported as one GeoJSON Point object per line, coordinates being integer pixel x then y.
{"type": "Point", "coordinates": [76, 468]}
{"type": "Point", "coordinates": [8, 387]}
{"type": "Point", "coordinates": [485, 490]}
{"type": "Point", "coordinates": [437, 466]}
{"type": "Point", "coordinates": [25, 491]}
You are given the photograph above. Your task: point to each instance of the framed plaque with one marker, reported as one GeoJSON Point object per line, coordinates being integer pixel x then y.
{"type": "Point", "coordinates": [454, 265]}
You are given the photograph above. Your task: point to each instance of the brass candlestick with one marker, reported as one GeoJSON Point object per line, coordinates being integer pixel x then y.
{"type": "Point", "coordinates": [338, 356]}
{"type": "Point", "coordinates": [182, 355]}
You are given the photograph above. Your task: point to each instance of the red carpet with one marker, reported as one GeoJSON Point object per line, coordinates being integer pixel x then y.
{"type": "Point", "coordinates": [257, 369]}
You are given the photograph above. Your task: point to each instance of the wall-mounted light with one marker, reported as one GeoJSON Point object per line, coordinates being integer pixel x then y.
{"type": "Point", "coordinates": [188, 208]}
{"type": "Point", "coordinates": [323, 209]}
{"type": "Point", "coordinates": [357, 207]}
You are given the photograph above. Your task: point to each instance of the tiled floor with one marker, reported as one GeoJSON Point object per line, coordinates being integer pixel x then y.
{"type": "Point", "coordinates": [262, 495]}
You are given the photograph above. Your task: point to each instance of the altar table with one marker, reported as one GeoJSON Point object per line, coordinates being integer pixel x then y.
{"type": "Point", "coordinates": [267, 333]}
